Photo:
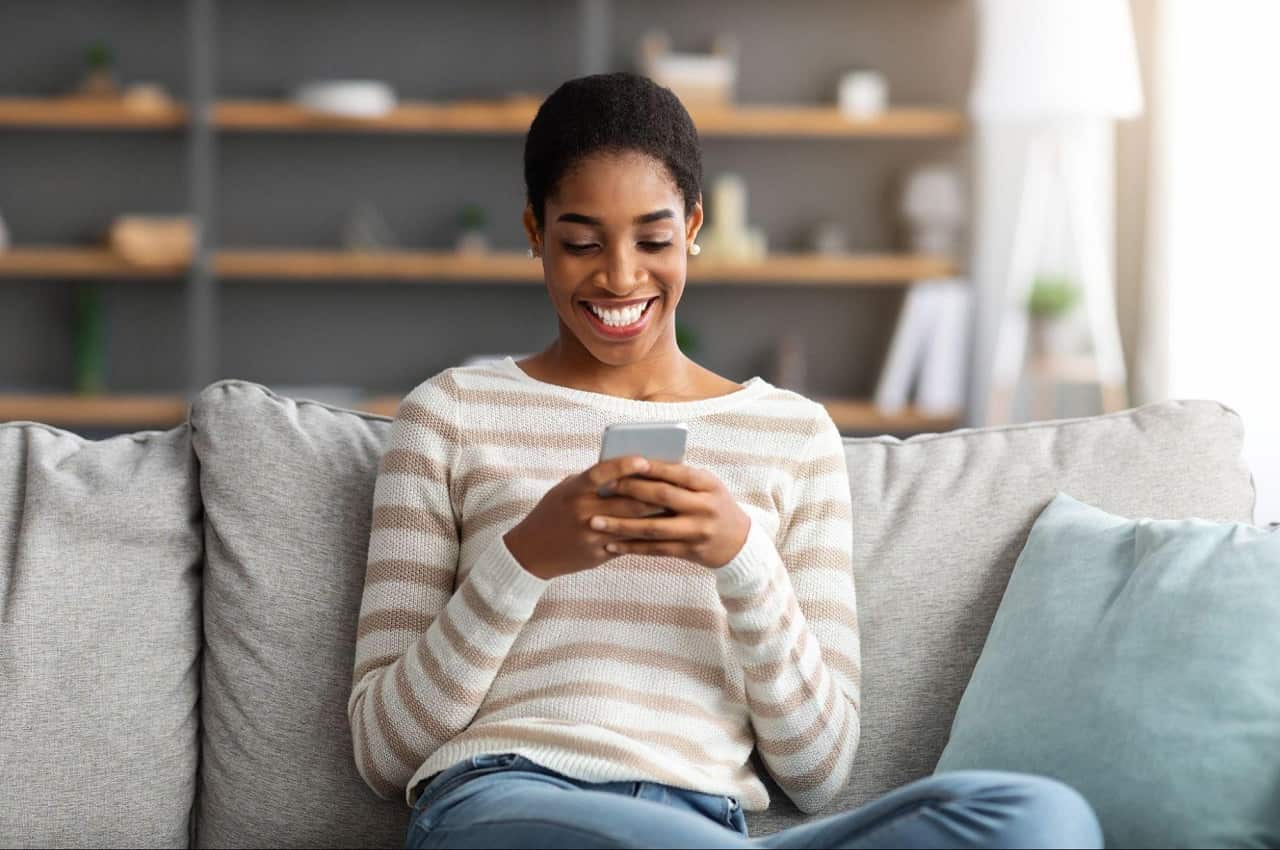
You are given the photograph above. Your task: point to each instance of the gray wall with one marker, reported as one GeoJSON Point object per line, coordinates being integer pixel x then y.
{"type": "Point", "coordinates": [295, 189]}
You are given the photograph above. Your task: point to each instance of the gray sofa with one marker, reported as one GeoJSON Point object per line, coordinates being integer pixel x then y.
{"type": "Point", "coordinates": [178, 607]}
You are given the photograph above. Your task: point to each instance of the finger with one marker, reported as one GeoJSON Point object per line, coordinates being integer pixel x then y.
{"type": "Point", "coordinates": [673, 528]}
{"type": "Point", "coordinates": [614, 468]}
{"type": "Point", "coordinates": [622, 506]}
{"type": "Point", "coordinates": [649, 547]}
{"type": "Point", "coordinates": [682, 475]}
{"type": "Point", "coordinates": [660, 493]}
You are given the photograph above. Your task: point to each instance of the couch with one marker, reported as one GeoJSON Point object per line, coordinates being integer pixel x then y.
{"type": "Point", "coordinates": [178, 607]}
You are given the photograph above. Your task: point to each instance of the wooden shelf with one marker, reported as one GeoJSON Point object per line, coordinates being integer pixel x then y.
{"type": "Point", "coordinates": [136, 411]}
{"type": "Point", "coordinates": [864, 416]}
{"type": "Point", "coordinates": [463, 116]}
{"type": "Point", "coordinates": [826, 121]}
{"type": "Point", "coordinates": [56, 261]}
{"type": "Point", "coordinates": [504, 267]}
{"type": "Point", "coordinates": [86, 113]}
{"type": "Point", "coordinates": [496, 116]}
{"type": "Point", "coordinates": [448, 266]}
{"type": "Point", "coordinates": [106, 411]}
{"type": "Point", "coordinates": [516, 114]}
{"type": "Point", "coordinates": [821, 269]}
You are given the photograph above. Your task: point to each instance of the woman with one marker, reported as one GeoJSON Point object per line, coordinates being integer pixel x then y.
{"type": "Point", "coordinates": [538, 666]}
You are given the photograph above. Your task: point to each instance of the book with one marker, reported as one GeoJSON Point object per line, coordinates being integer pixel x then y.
{"type": "Point", "coordinates": [943, 371]}
{"type": "Point", "coordinates": [916, 321]}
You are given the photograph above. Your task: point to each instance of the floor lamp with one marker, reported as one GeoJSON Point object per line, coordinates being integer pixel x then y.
{"type": "Point", "coordinates": [1051, 68]}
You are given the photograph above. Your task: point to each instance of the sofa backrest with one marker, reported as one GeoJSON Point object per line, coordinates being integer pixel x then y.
{"type": "Point", "coordinates": [938, 523]}
{"type": "Point", "coordinates": [286, 488]}
{"type": "Point", "coordinates": [100, 556]}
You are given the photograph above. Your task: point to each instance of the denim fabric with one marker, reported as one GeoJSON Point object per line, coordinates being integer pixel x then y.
{"type": "Point", "coordinates": [507, 800]}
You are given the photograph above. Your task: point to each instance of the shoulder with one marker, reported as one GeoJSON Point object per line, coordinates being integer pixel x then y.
{"type": "Point", "coordinates": [437, 392]}
{"type": "Point", "coordinates": [814, 450]}
{"type": "Point", "coordinates": [456, 384]}
{"type": "Point", "coordinates": [802, 417]}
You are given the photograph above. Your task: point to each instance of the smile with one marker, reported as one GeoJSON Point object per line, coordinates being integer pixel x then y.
{"type": "Point", "coordinates": [618, 322]}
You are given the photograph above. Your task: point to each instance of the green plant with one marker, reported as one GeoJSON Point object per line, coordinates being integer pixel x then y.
{"type": "Point", "coordinates": [1052, 295]}
{"type": "Point", "coordinates": [89, 338]}
{"type": "Point", "coordinates": [473, 217]}
{"type": "Point", "coordinates": [98, 55]}
{"type": "Point", "coordinates": [686, 339]}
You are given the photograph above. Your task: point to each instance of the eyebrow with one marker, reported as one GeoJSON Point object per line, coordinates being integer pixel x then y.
{"type": "Point", "coordinates": [578, 218]}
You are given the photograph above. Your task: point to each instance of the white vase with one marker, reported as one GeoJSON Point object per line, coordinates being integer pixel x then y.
{"type": "Point", "coordinates": [1052, 335]}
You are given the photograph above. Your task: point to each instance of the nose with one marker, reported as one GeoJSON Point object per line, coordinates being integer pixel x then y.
{"type": "Point", "coordinates": [622, 273]}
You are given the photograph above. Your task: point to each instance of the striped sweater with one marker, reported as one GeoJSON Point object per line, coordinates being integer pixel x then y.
{"type": "Point", "coordinates": [643, 668]}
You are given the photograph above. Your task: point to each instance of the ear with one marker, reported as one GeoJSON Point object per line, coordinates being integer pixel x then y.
{"type": "Point", "coordinates": [531, 229]}
{"type": "Point", "coordinates": [694, 222]}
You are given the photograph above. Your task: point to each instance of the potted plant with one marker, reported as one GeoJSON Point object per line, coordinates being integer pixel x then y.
{"type": "Point", "coordinates": [1052, 300]}
{"type": "Point", "coordinates": [472, 238]}
{"type": "Point", "coordinates": [687, 339]}
{"type": "Point", "coordinates": [100, 79]}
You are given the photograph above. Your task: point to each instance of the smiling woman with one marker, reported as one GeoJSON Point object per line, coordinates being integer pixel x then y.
{"type": "Point", "coordinates": [539, 665]}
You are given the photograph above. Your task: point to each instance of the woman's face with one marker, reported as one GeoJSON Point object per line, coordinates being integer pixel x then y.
{"type": "Point", "coordinates": [615, 243]}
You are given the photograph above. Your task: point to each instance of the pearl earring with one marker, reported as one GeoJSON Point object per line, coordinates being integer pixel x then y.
{"type": "Point", "coordinates": [695, 249]}
{"type": "Point", "coordinates": [531, 254]}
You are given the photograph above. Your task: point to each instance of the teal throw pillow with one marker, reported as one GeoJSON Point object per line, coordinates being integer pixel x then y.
{"type": "Point", "coordinates": [1138, 661]}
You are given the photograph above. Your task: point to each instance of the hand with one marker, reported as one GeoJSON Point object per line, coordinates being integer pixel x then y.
{"type": "Point", "coordinates": [708, 526]}
{"type": "Point", "coordinates": [555, 538]}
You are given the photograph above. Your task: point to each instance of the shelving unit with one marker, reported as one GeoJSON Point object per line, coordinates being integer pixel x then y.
{"type": "Point", "coordinates": [207, 117]}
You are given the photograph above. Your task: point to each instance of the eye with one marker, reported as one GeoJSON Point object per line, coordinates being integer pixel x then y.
{"type": "Point", "coordinates": [577, 249]}
{"type": "Point", "coordinates": [655, 247]}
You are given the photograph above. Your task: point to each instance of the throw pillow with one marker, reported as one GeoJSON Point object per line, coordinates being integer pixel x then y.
{"type": "Point", "coordinates": [1138, 661]}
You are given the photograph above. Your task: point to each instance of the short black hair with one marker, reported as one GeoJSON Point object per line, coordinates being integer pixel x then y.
{"type": "Point", "coordinates": [610, 113]}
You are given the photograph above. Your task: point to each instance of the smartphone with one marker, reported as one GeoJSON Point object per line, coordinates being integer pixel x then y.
{"type": "Point", "coordinates": [655, 440]}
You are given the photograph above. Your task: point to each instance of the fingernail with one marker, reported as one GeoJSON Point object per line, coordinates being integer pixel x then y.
{"type": "Point", "coordinates": [642, 464]}
{"type": "Point", "coordinates": [597, 522]}
{"type": "Point", "coordinates": [611, 547]}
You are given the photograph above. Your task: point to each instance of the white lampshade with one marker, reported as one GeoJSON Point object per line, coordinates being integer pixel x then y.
{"type": "Point", "coordinates": [1047, 60]}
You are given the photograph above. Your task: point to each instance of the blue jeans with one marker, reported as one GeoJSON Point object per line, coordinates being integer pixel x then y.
{"type": "Point", "coordinates": [506, 800]}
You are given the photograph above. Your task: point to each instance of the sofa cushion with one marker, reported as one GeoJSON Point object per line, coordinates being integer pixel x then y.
{"type": "Point", "coordinates": [288, 489]}
{"type": "Point", "coordinates": [100, 558]}
{"type": "Point", "coordinates": [939, 521]}
{"type": "Point", "coordinates": [1135, 660]}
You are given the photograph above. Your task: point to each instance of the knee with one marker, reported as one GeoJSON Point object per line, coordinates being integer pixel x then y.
{"type": "Point", "coordinates": [1036, 811]}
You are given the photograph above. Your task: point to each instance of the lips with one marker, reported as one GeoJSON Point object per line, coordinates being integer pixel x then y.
{"type": "Point", "coordinates": [612, 333]}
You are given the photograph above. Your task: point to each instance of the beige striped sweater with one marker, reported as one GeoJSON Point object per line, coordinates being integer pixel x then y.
{"type": "Point", "coordinates": [644, 668]}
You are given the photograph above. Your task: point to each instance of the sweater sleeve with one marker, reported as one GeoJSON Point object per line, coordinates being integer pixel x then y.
{"type": "Point", "coordinates": [426, 654]}
{"type": "Point", "coordinates": [793, 622]}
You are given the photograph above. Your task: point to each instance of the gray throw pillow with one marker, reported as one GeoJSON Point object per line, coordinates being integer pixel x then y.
{"type": "Point", "coordinates": [100, 559]}
{"type": "Point", "coordinates": [288, 490]}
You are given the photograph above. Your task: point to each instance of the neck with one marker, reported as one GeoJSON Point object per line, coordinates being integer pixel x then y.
{"type": "Point", "coordinates": [662, 370]}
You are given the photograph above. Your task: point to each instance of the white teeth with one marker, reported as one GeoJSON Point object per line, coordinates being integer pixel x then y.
{"type": "Point", "coordinates": [622, 317]}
